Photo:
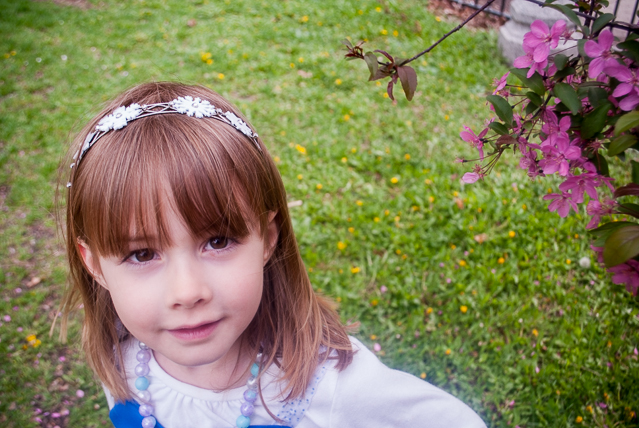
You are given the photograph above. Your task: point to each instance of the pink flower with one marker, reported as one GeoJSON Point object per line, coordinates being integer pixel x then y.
{"type": "Point", "coordinates": [471, 177]}
{"type": "Point", "coordinates": [383, 289]}
{"type": "Point", "coordinates": [529, 161]}
{"type": "Point", "coordinates": [596, 209]}
{"type": "Point", "coordinates": [601, 53]}
{"type": "Point", "coordinates": [79, 393]}
{"type": "Point", "coordinates": [475, 140]}
{"type": "Point", "coordinates": [541, 39]}
{"type": "Point", "coordinates": [529, 61]}
{"type": "Point", "coordinates": [561, 203]}
{"type": "Point", "coordinates": [377, 347]}
{"type": "Point", "coordinates": [556, 159]}
{"type": "Point", "coordinates": [628, 86]}
{"type": "Point", "coordinates": [501, 83]}
{"type": "Point", "coordinates": [555, 128]}
{"type": "Point", "coordinates": [627, 273]}
{"type": "Point", "coordinates": [580, 184]}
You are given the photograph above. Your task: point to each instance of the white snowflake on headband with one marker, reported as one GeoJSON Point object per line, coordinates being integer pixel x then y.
{"type": "Point", "coordinates": [119, 118]}
{"type": "Point", "coordinates": [193, 107]}
{"type": "Point", "coordinates": [239, 124]}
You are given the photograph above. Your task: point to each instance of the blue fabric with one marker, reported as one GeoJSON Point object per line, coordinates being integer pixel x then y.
{"type": "Point", "coordinates": [127, 415]}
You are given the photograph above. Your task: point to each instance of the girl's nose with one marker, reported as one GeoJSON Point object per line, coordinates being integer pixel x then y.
{"type": "Point", "coordinates": [188, 286]}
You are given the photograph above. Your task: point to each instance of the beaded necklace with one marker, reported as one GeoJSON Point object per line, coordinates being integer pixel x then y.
{"type": "Point", "coordinates": [146, 409]}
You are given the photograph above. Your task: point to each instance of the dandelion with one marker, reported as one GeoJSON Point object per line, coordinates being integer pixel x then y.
{"type": "Point", "coordinates": [347, 118]}
{"type": "Point", "coordinates": [300, 176]}
{"type": "Point", "coordinates": [462, 263]}
{"type": "Point", "coordinates": [429, 311]}
{"type": "Point", "coordinates": [359, 203]}
{"type": "Point", "coordinates": [277, 159]}
{"type": "Point", "coordinates": [220, 76]}
{"type": "Point", "coordinates": [341, 245]}
{"type": "Point", "coordinates": [579, 419]}
{"type": "Point", "coordinates": [373, 337]}
{"type": "Point", "coordinates": [431, 199]}
{"type": "Point", "coordinates": [386, 212]}
{"type": "Point", "coordinates": [300, 59]}
{"type": "Point", "coordinates": [396, 219]}
{"type": "Point", "coordinates": [378, 9]}
{"type": "Point", "coordinates": [384, 31]}
{"type": "Point", "coordinates": [344, 160]}
{"type": "Point", "coordinates": [376, 219]}
{"type": "Point", "coordinates": [568, 261]}
{"type": "Point", "coordinates": [338, 81]}
{"type": "Point", "coordinates": [355, 270]}
{"type": "Point", "coordinates": [304, 18]}
{"type": "Point", "coordinates": [395, 33]}
{"type": "Point", "coordinates": [205, 56]}
{"type": "Point", "coordinates": [438, 19]}
{"type": "Point", "coordinates": [300, 149]}
{"type": "Point", "coordinates": [463, 309]}
{"type": "Point", "coordinates": [453, 246]}
{"type": "Point", "coordinates": [589, 409]}
{"type": "Point", "coordinates": [374, 302]}
{"type": "Point", "coordinates": [351, 229]}
{"type": "Point", "coordinates": [394, 180]}
{"type": "Point", "coordinates": [535, 332]}
{"type": "Point", "coordinates": [501, 260]}
{"type": "Point", "coordinates": [407, 156]}
{"type": "Point", "coordinates": [511, 234]}
{"type": "Point", "coordinates": [292, 65]}
{"type": "Point", "coordinates": [423, 375]}
{"type": "Point", "coordinates": [448, 351]}
{"type": "Point", "coordinates": [428, 181]}
{"type": "Point", "coordinates": [319, 186]}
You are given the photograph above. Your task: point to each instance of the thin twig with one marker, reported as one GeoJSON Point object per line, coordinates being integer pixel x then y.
{"type": "Point", "coordinates": [450, 32]}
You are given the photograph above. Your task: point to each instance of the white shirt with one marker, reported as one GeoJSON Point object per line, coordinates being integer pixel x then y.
{"type": "Point", "coordinates": [367, 394]}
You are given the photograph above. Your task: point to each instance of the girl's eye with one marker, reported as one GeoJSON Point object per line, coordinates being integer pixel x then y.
{"type": "Point", "coordinates": [144, 255]}
{"type": "Point", "coordinates": [219, 242]}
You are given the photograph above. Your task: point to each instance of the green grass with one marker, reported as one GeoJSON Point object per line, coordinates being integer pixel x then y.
{"type": "Point", "coordinates": [533, 311]}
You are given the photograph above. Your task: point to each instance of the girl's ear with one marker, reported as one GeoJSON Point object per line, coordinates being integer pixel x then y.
{"type": "Point", "coordinates": [90, 262]}
{"type": "Point", "coordinates": [272, 235]}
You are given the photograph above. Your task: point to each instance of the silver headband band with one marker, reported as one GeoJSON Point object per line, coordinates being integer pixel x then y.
{"type": "Point", "coordinates": [183, 105]}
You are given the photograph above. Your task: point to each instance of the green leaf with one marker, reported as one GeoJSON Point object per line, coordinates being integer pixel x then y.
{"type": "Point", "coordinates": [602, 21]}
{"type": "Point", "coordinates": [499, 128]}
{"type": "Point", "coordinates": [503, 109]}
{"type": "Point", "coordinates": [568, 96]}
{"type": "Point", "coordinates": [630, 45]}
{"type": "Point", "coordinates": [373, 66]}
{"type": "Point", "coordinates": [535, 82]}
{"type": "Point", "coordinates": [580, 47]}
{"type": "Point", "coordinates": [635, 171]}
{"type": "Point", "coordinates": [568, 71]}
{"type": "Point", "coordinates": [595, 121]}
{"type": "Point", "coordinates": [629, 209]}
{"type": "Point", "coordinates": [621, 143]}
{"type": "Point", "coordinates": [626, 122]}
{"type": "Point", "coordinates": [561, 61]}
{"type": "Point", "coordinates": [530, 109]}
{"type": "Point", "coordinates": [408, 78]}
{"type": "Point", "coordinates": [602, 233]}
{"type": "Point", "coordinates": [570, 14]}
{"type": "Point", "coordinates": [621, 245]}
{"type": "Point", "coordinates": [534, 98]}
{"type": "Point", "coordinates": [596, 96]}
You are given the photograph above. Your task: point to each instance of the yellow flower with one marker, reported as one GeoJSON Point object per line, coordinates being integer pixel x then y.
{"type": "Point", "coordinates": [355, 270]}
{"type": "Point", "coordinates": [576, 236]}
{"type": "Point", "coordinates": [300, 149]}
{"type": "Point", "coordinates": [455, 193]}
{"type": "Point", "coordinates": [209, 61]}
{"type": "Point", "coordinates": [304, 18]}
{"type": "Point", "coordinates": [277, 159]}
{"type": "Point", "coordinates": [338, 299]}
{"type": "Point", "coordinates": [479, 210]}
{"type": "Point", "coordinates": [415, 208]}
{"type": "Point", "coordinates": [378, 9]}
{"type": "Point", "coordinates": [300, 59]}
{"type": "Point", "coordinates": [319, 186]}
{"type": "Point", "coordinates": [609, 344]}
{"type": "Point", "coordinates": [292, 65]}
{"type": "Point", "coordinates": [385, 95]}
{"type": "Point", "coordinates": [549, 190]}
{"type": "Point", "coordinates": [359, 203]}
{"type": "Point", "coordinates": [396, 218]}
{"type": "Point", "coordinates": [453, 246]}
{"type": "Point", "coordinates": [376, 219]}
{"type": "Point", "coordinates": [347, 118]}
{"type": "Point", "coordinates": [378, 83]}
{"type": "Point", "coordinates": [354, 150]}
{"type": "Point", "coordinates": [448, 351]}
{"type": "Point", "coordinates": [407, 156]}
{"type": "Point", "coordinates": [579, 419]}
{"type": "Point", "coordinates": [220, 76]}
{"type": "Point", "coordinates": [351, 229]}
{"type": "Point", "coordinates": [374, 302]}
{"type": "Point", "coordinates": [360, 12]}
{"type": "Point", "coordinates": [300, 176]}
{"type": "Point", "coordinates": [373, 337]}
{"type": "Point", "coordinates": [395, 33]}
{"type": "Point", "coordinates": [384, 32]}
{"type": "Point", "coordinates": [462, 263]}
{"type": "Point", "coordinates": [535, 332]}
{"type": "Point", "coordinates": [568, 261]}
{"type": "Point", "coordinates": [341, 245]}
{"type": "Point", "coordinates": [431, 199]}
{"type": "Point", "coordinates": [558, 392]}
{"type": "Point", "coordinates": [205, 56]}
{"type": "Point", "coordinates": [589, 408]}
{"type": "Point", "coordinates": [512, 233]}
{"type": "Point", "coordinates": [438, 19]}
{"type": "Point", "coordinates": [523, 207]}
{"type": "Point", "coordinates": [429, 311]}
{"type": "Point", "coordinates": [338, 81]}
{"type": "Point", "coordinates": [446, 117]}
{"type": "Point", "coordinates": [386, 212]}
{"type": "Point", "coordinates": [423, 375]}
{"type": "Point", "coordinates": [463, 309]}
{"type": "Point", "coordinates": [341, 271]}
{"type": "Point", "coordinates": [394, 180]}
{"type": "Point", "coordinates": [428, 181]}
{"type": "Point", "coordinates": [31, 338]}
{"type": "Point", "coordinates": [501, 261]}
{"type": "Point", "coordinates": [398, 251]}
{"type": "Point", "coordinates": [344, 160]}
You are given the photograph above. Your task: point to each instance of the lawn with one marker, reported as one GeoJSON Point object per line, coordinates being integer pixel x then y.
{"type": "Point", "coordinates": [477, 289]}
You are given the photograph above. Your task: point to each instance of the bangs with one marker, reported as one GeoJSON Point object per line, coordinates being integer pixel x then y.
{"type": "Point", "coordinates": [202, 169]}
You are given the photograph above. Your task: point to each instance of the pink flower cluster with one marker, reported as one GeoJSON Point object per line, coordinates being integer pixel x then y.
{"type": "Point", "coordinates": [562, 149]}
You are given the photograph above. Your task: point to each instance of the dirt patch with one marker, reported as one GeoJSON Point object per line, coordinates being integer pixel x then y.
{"type": "Point", "coordinates": [452, 9]}
{"type": "Point", "coordinates": [82, 4]}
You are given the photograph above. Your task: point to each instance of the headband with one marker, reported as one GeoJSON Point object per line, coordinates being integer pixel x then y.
{"type": "Point", "coordinates": [188, 105]}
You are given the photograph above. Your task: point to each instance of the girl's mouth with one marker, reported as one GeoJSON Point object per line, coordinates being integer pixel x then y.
{"type": "Point", "coordinates": [196, 332]}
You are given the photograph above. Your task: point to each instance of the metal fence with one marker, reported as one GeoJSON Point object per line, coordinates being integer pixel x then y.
{"type": "Point", "coordinates": [625, 10]}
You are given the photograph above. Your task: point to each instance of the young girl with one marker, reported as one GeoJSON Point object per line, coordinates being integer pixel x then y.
{"type": "Point", "coordinates": [197, 308]}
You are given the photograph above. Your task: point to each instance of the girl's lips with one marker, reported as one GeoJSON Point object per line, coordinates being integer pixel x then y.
{"type": "Point", "coordinates": [195, 333]}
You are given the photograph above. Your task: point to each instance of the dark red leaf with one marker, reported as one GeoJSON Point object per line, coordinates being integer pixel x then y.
{"type": "Point", "coordinates": [629, 189]}
{"type": "Point", "coordinates": [387, 55]}
{"type": "Point", "coordinates": [389, 90]}
{"type": "Point", "coordinates": [408, 77]}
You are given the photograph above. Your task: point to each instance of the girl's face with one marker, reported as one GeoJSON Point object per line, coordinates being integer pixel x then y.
{"type": "Point", "coordinates": [191, 302]}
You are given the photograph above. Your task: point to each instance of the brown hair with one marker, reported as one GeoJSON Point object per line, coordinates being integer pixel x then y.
{"type": "Point", "coordinates": [218, 181]}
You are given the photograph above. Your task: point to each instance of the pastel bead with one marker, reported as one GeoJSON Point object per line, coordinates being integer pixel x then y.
{"type": "Point", "coordinates": [142, 369]}
{"type": "Point", "coordinates": [143, 356]}
{"type": "Point", "coordinates": [146, 410]}
{"type": "Point", "coordinates": [243, 422]}
{"type": "Point", "coordinates": [247, 409]}
{"type": "Point", "coordinates": [144, 396]}
{"type": "Point", "coordinates": [142, 383]}
{"type": "Point", "coordinates": [148, 422]}
{"type": "Point", "coordinates": [250, 395]}
{"type": "Point", "coordinates": [144, 346]}
{"type": "Point", "coordinates": [252, 383]}
{"type": "Point", "coordinates": [255, 369]}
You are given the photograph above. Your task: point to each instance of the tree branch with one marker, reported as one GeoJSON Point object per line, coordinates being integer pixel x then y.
{"type": "Point", "coordinates": [450, 32]}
